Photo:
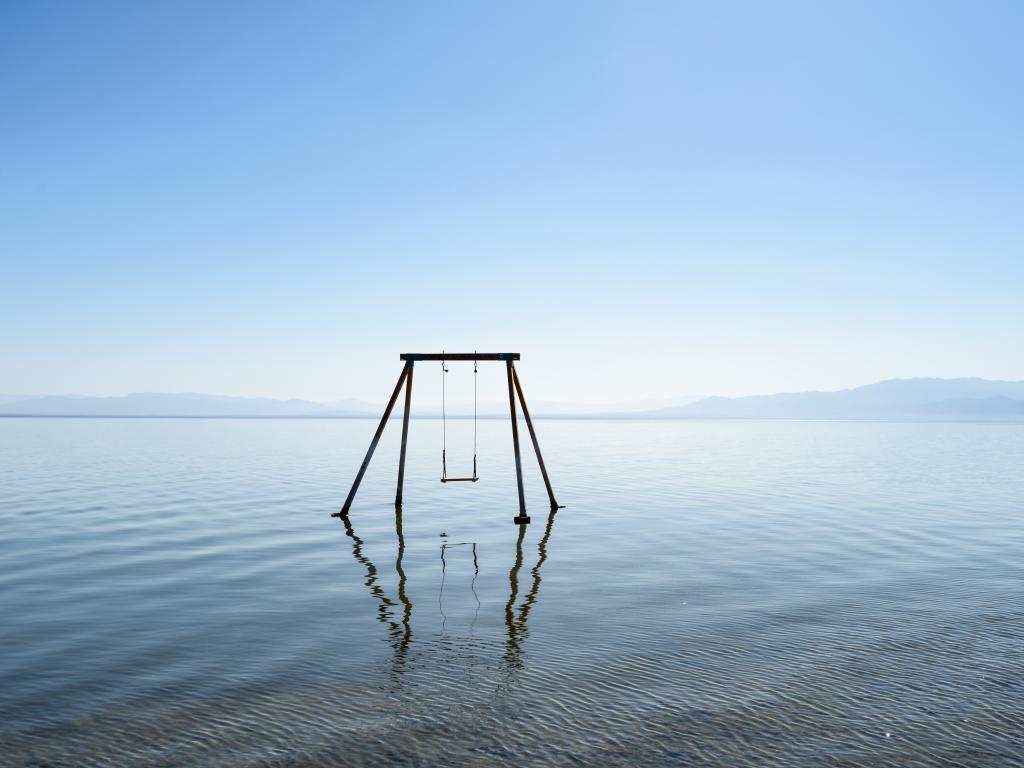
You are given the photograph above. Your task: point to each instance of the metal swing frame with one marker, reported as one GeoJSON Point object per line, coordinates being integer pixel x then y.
{"type": "Point", "coordinates": [405, 379]}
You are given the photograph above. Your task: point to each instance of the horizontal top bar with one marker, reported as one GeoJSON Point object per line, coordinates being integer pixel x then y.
{"type": "Point", "coordinates": [413, 356]}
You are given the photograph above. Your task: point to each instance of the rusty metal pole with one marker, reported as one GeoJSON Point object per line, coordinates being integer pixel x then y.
{"type": "Point", "coordinates": [533, 437]}
{"type": "Point", "coordinates": [523, 518]}
{"type": "Point", "coordinates": [405, 435]}
{"type": "Point", "coordinates": [376, 438]}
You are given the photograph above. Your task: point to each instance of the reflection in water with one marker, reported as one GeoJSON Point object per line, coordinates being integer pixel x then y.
{"type": "Point", "coordinates": [402, 596]}
{"type": "Point", "coordinates": [472, 584]}
{"type": "Point", "coordinates": [400, 631]}
{"type": "Point", "coordinates": [513, 653]}
{"type": "Point", "coordinates": [168, 598]}
{"type": "Point", "coordinates": [516, 625]}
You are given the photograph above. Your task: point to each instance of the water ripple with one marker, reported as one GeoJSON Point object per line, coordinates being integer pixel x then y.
{"type": "Point", "coordinates": [715, 593]}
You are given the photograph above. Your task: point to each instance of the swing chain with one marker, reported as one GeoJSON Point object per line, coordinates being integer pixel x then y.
{"type": "Point", "coordinates": [444, 424]}
{"type": "Point", "coordinates": [474, 417]}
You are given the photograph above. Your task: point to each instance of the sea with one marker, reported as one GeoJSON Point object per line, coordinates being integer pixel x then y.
{"type": "Point", "coordinates": [175, 592]}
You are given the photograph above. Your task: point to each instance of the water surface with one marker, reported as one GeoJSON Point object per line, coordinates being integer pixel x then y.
{"type": "Point", "coordinates": [174, 592]}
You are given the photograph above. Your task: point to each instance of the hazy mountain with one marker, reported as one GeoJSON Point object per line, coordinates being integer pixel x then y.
{"type": "Point", "coordinates": [556, 408]}
{"type": "Point", "coordinates": [895, 398]}
{"type": "Point", "coordinates": [4, 399]}
{"type": "Point", "coordinates": [193, 404]}
{"type": "Point", "coordinates": [977, 407]}
{"type": "Point", "coordinates": [630, 406]}
{"type": "Point", "coordinates": [158, 404]}
{"type": "Point", "coordinates": [350, 406]}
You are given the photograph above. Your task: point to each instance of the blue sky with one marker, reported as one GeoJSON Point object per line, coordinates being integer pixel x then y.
{"type": "Point", "coordinates": [645, 199]}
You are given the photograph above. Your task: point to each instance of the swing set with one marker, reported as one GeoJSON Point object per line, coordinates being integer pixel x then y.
{"type": "Point", "coordinates": [405, 379]}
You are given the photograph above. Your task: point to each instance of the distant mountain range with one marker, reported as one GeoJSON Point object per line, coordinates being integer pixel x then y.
{"type": "Point", "coordinates": [190, 404]}
{"type": "Point", "coordinates": [892, 399]}
{"type": "Point", "coordinates": [943, 399]}
{"type": "Point", "coordinates": [183, 404]}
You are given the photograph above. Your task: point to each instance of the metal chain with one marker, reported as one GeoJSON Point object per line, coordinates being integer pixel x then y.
{"type": "Point", "coordinates": [474, 416]}
{"type": "Point", "coordinates": [444, 423]}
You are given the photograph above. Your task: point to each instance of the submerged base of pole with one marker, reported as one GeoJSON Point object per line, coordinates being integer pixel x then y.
{"type": "Point", "coordinates": [521, 520]}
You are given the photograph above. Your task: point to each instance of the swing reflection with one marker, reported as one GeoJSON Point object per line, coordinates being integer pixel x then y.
{"type": "Point", "coordinates": [397, 614]}
{"type": "Point", "coordinates": [399, 632]}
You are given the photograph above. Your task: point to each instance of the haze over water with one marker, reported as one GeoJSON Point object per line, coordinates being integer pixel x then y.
{"type": "Point", "coordinates": [174, 592]}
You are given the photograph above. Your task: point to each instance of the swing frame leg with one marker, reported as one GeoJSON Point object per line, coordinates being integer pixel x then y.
{"type": "Point", "coordinates": [406, 373]}
{"type": "Point", "coordinates": [536, 444]}
{"type": "Point", "coordinates": [522, 518]}
{"type": "Point", "coordinates": [405, 437]}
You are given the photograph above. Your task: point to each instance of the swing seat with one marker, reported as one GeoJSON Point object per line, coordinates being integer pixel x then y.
{"type": "Point", "coordinates": [459, 479]}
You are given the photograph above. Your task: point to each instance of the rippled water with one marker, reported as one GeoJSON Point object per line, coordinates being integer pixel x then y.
{"type": "Point", "coordinates": [174, 592]}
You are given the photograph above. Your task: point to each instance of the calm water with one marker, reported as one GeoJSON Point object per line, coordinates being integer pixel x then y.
{"type": "Point", "coordinates": [174, 592]}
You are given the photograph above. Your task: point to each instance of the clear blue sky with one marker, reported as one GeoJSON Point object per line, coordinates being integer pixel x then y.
{"type": "Point", "coordinates": [645, 199]}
